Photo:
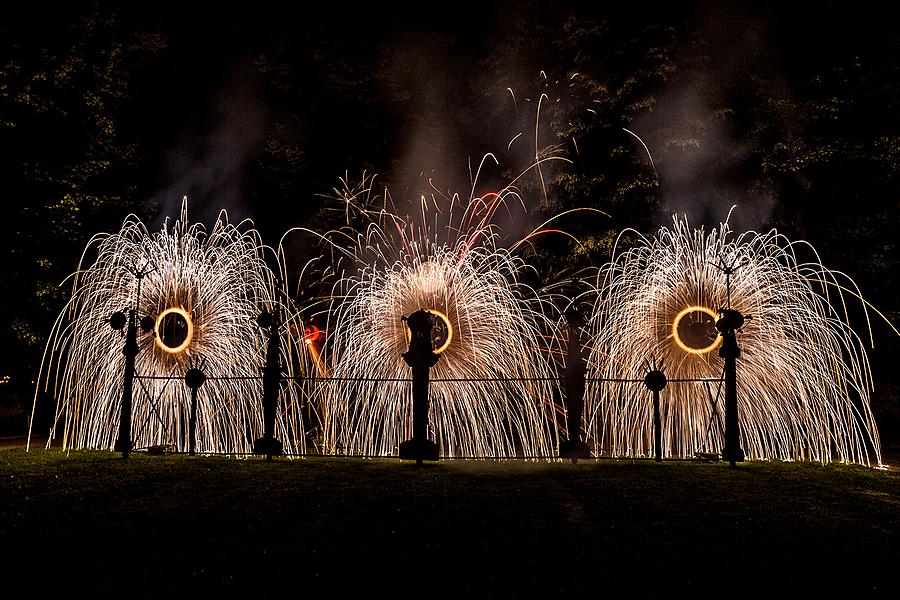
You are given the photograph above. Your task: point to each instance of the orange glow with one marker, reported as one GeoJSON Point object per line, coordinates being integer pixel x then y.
{"type": "Point", "coordinates": [311, 334]}
{"type": "Point", "coordinates": [314, 354]}
{"type": "Point", "coordinates": [187, 338]}
{"type": "Point", "coordinates": [691, 309]}
{"type": "Point", "coordinates": [447, 323]}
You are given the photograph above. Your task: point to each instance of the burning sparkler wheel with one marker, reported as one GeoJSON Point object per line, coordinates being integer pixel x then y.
{"type": "Point", "coordinates": [694, 330]}
{"type": "Point", "coordinates": [801, 389]}
{"type": "Point", "coordinates": [174, 330]}
{"type": "Point", "coordinates": [441, 331]}
{"type": "Point", "coordinates": [200, 291]}
{"type": "Point", "coordinates": [489, 393]}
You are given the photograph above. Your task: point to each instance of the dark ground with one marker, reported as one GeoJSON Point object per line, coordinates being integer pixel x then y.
{"type": "Point", "coordinates": [170, 526]}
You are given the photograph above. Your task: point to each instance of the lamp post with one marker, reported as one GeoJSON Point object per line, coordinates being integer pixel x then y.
{"type": "Point", "coordinates": [656, 382]}
{"type": "Point", "coordinates": [118, 321]}
{"type": "Point", "coordinates": [420, 357]}
{"type": "Point", "coordinates": [728, 323]}
{"type": "Point", "coordinates": [268, 444]}
{"type": "Point", "coordinates": [130, 350]}
{"type": "Point", "coordinates": [574, 447]}
{"type": "Point", "coordinates": [194, 378]}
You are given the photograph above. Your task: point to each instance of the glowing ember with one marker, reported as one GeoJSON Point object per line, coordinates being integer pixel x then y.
{"type": "Point", "coordinates": [694, 330]}
{"type": "Point", "coordinates": [441, 331]}
{"type": "Point", "coordinates": [174, 330]}
{"type": "Point", "coordinates": [310, 334]}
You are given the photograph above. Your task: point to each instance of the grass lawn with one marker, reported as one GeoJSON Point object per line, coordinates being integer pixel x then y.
{"type": "Point", "coordinates": [168, 526]}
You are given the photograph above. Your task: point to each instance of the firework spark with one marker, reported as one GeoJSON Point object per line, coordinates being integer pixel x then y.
{"type": "Point", "coordinates": [488, 326]}
{"type": "Point", "coordinates": [803, 375]}
{"type": "Point", "coordinates": [200, 299]}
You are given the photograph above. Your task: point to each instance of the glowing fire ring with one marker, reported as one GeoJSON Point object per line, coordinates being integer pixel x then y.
{"type": "Point", "coordinates": [691, 309]}
{"type": "Point", "coordinates": [310, 334]}
{"type": "Point", "coordinates": [187, 338]}
{"type": "Point", "coordinates": [447, 324]}
{"type": "Point", "coordinates": [446, 321]}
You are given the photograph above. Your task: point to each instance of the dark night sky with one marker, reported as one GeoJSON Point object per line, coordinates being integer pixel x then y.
{"type": "Point", "coordinates": [421, 97]}
{"type": "Point", "coordinates": [204, 117]}
{"type": "Point", "coordinates": [430, 120]}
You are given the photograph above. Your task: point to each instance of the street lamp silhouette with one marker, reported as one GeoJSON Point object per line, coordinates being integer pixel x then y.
{"type": "Point", "coordinates": [268, 444]}
{"type": "Point", "coordinates": [194, 379]}
{"type": "Point", "coordinates": [729, 321]}
{"type": "Point", "coordinates": [656, 381]}
{"type": "Point", "coordinates": [118, 321]}
{"type": "Point", "coordinates": [420, 356]}
{"type": "Point", "coordinates": [574, 447]}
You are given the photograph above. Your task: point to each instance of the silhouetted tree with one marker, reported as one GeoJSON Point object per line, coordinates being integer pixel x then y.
{"type": "Point", "coordinates": [67, 169]}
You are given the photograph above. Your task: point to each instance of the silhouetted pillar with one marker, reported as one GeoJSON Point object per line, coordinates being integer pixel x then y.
{"type": "Point", "coordinates": [656, 382]}
{"type": "Point", "coordinates": [728, 323]}
{"type": "Point", "coordinates": [123, 444]}
{"type": "Point", "coordinates": [268, 444]}
{"type": "Point", "coordinates": [421, 357]}
{"type": "Point", "coordinates": [194, 378]}
{"type": "Point", "coordinates": [574, 447]}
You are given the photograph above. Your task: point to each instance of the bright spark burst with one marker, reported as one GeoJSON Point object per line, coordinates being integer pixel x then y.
{"type": "Point", "coordinates": [495, 327]}
{"type": "Point", "coordinates": [217, 283]}
{"type": "Point", "coordinates": [803, 375]}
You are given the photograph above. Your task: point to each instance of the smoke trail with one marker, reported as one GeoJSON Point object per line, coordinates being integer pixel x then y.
{"type": "Point", "coordinates": [208, 163]}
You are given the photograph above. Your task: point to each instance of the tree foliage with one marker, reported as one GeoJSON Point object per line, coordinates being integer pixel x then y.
{"type": "Point", "coordinates": [67, 167]}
